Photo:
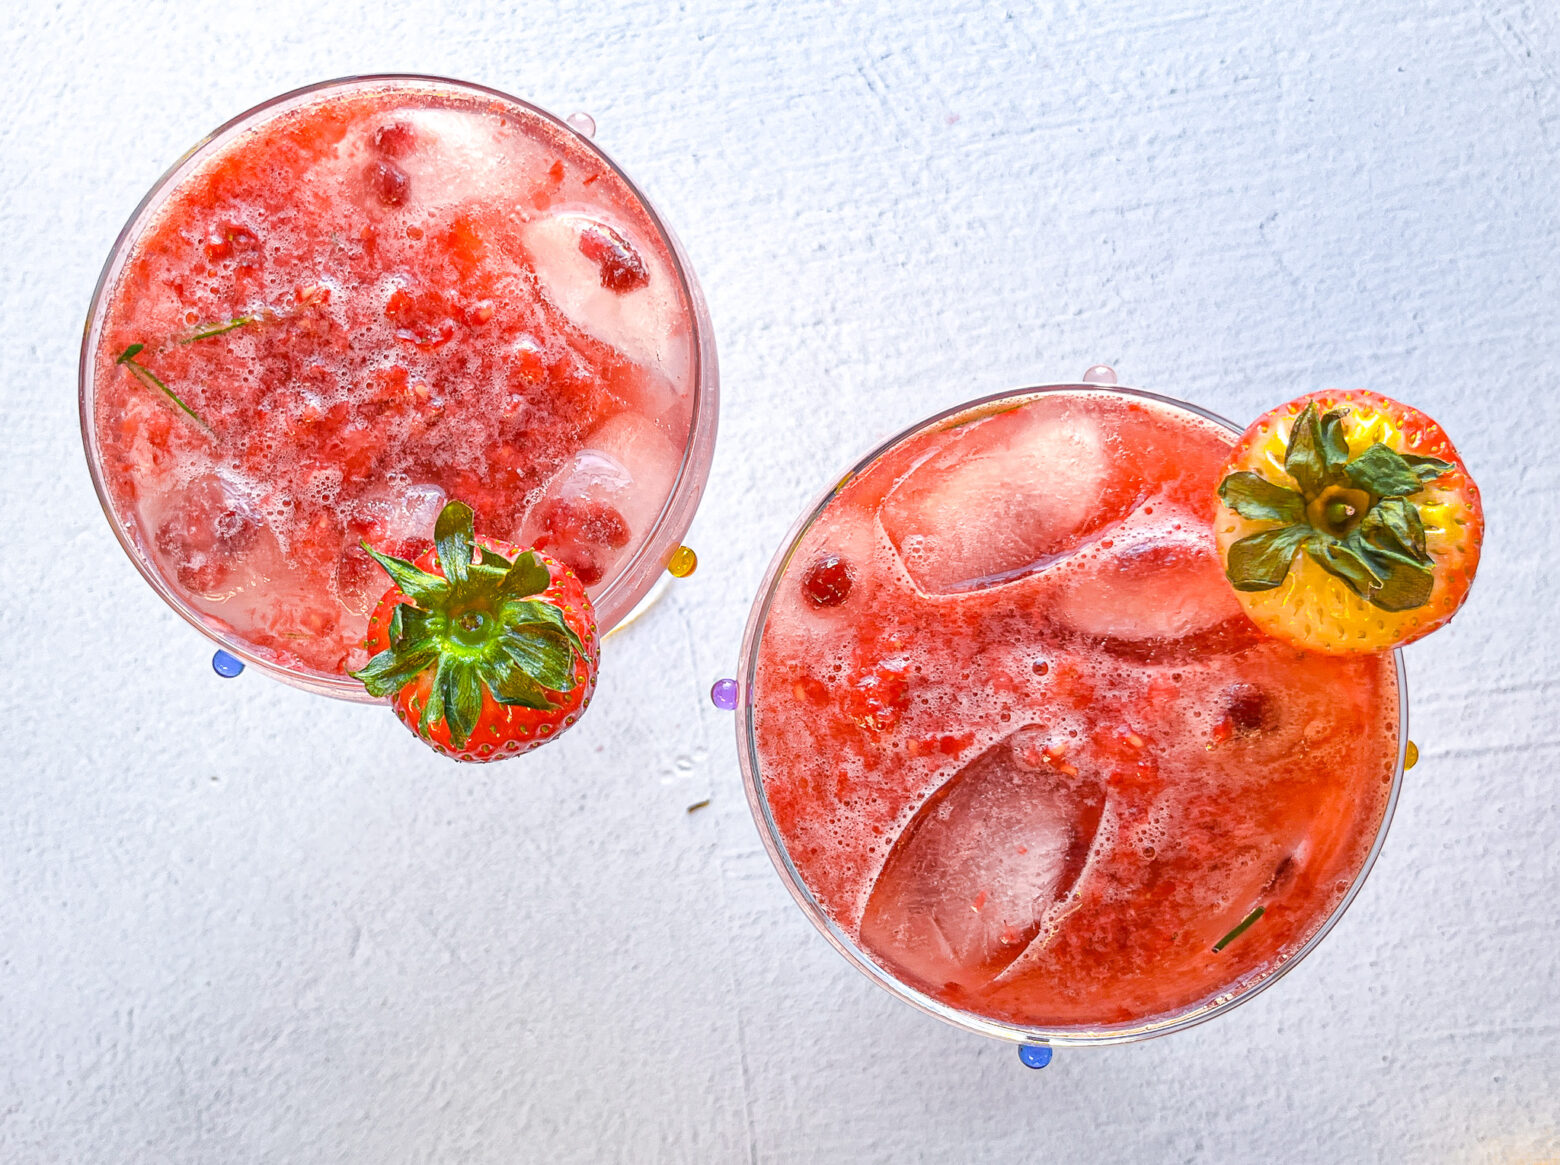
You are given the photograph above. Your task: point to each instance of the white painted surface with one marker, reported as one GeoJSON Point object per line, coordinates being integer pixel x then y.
{"type": "Point", "coordinates": [238, 923]}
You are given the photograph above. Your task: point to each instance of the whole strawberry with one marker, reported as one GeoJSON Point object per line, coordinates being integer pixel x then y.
{"type": "Point", "coordinates": [1350, 524]}
{"type": "Point", "coordinates": [485, 650]}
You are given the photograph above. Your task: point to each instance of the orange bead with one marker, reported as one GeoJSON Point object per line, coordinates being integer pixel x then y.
{"type": "Point", "coordinates": [682, 563]}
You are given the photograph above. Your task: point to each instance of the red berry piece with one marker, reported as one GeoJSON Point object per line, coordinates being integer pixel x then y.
{"type": "Point", "coordinates": [388, 182]}
{"type": "Point", "coordinates": [1249, 709]}
{"type": "Point", "coordinates": [828, 581]}
{"type": "Point", "coordinates": [604, 525]}
{"type": "Point", "coordinates": [878, 697]}
{"type": "Point", "coordinates": [622, 270]}
{"type": "Point", "coordinates": [227, 239]}
{"type": "Point", "coordinates": [395, 139]}
{"type": "Point", "coordinates": [430, 339]}
{"type": "Point", "coordinates": [586, 521]}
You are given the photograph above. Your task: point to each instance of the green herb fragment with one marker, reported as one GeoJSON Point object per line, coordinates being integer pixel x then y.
{"type": "Point", "coordinates": [127, 359]}
{"type": "Point", "coordinates": [697, 805]}
{"type": "Point", "coordinates": [206, 331]}
{"type": "Point", "coordinates": [1240, 928]}
{"type": "Point", "coordinates": [1351, 516]}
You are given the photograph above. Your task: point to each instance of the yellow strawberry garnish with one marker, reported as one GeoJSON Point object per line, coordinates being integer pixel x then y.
{"type": "Point", "coordinates": [1348, 523]}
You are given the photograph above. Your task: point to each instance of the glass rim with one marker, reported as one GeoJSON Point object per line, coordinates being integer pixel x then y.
{"type": "Point", "coordinates": [774, 843]}
{"type": "Point", "coordinates": [682, 498]}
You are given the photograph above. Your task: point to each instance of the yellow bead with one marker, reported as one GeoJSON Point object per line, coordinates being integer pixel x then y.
{"type": "Point", "coordinates": [683, 562]}
{"type": "Point", "coordinates": [1410, 755]}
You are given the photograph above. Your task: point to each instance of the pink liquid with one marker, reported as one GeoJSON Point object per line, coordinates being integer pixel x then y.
{"type": "Point", "coordinates": [446, 296]}
{"type": "Point", "coordinates": [1030, 753]}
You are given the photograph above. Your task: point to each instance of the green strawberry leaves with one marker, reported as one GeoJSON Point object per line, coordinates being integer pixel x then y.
{"type": "Point", "coordinates": [1351, 515]}
{"type": "Point", "coordinates": [1253, 496]}
{"type": "Point", "coordinates": [1317, 450]}
{"type": "Point", "coordinates": [427, 590]}
{"type": "Point", "coordinates": [453, 536]}
{"type": "Point", "coordinates": [1304, 459]}
{"type": "Point", "coordinates": [478, 628]}
{"type": "Point", "coordinates": [1260, 562]}
{"type": "Point", "coordinates": [1383, 472]}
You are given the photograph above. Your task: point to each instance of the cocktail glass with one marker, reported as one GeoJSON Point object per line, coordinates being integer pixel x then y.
{"type": "Point", "coordinates": [786, 568]}
{"type": "Point", "coordinates": [626, 586]}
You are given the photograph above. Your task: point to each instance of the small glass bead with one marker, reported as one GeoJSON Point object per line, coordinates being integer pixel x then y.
{"type": "Point", "coordinates": [225, 665]}
{"type": "Point", "coordinates": [1410, 755]}
{"type": "Point", "coordinates": [1100, 374]}
{"type": "Point", "coordinates": [724, 695]}
{"type": "Point", "coordinates": [683, 562]}
{"type": "Point", "coordinates": [1034, 1055]}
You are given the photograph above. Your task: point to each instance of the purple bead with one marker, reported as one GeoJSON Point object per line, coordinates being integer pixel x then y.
{"type": "Point", "coordinates": [724, 695]}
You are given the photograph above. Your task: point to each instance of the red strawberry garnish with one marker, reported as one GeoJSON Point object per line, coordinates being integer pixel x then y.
{"type": "Point", "coordinates": [484, 649]}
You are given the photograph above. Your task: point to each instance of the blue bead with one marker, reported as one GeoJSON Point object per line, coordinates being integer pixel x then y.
{"type": "Point", "coordinates": [225, 665]}
{"type": "Point", "coordinates": [724, 695]}
{"type": "Point", "coordinates": [1034, 1055]}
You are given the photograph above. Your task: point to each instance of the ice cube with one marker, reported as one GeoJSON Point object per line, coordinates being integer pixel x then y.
{"type": "Point", "coordinates": [1153, 598]}
{"type": "Point", "coordinates": [599, 505]}
{"type": "Point", "coordinates": [448, 157]}
{"type": "Point", "coordinates": [640, 320]}
{"type": "Point", "coordinates": [203, 530]}
{"type": "Point", "coordinates": [1008, 495]}
{"type": "Point", "coordinates": [395, 519]}
{"type": "Point", "coordinates": [984, 865]}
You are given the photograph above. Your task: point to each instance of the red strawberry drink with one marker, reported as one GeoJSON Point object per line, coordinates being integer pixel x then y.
{"type": "Point", "coordinates": [362, 301]}
{"type": "Point", "coordinates": [1014, 739]}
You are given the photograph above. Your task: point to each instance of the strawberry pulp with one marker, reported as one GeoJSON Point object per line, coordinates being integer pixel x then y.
{"type": "Point", "coordinates": [1020, 742]}
{"type": "Point", "coordinates": [376, 299]}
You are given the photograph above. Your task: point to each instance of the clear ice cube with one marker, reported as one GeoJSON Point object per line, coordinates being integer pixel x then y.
{"type": "Point", "coordinates": [203, 530]}
{"type": "Point", "coordinates": [596, 508]}
{"type": "Point", "coordinates": [986, 863]}
{"type": "Point", "coordinates": [1152, 595]}
{"type": "Point", "coordinates": [398, 522]}
{"type": "Point", "coordinates": [642, 323]}
{"type": "Point", "coordinates": [1008, 495]}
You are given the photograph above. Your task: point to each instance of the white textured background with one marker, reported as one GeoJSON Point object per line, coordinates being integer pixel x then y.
{"type": "Point", "coordinates": [238, 923]}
